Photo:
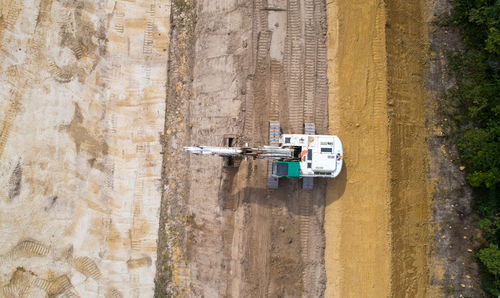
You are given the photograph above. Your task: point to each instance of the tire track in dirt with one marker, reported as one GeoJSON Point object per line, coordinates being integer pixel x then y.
{"type": "Point", "coordinates": [377, 213]}
{"type": "Point", "coordinates": [304, 228]}
{"type": "Point", "coordinates": [294, 62]}
{"type": "Point", "coordinates": [8, 121]}
{"type": "Point", "coordinates": [11, 9]}
{"type": "Point", "coordinates": [255, 199]}
{"type": "Point", "coordinates": [289, 204]}
{"type": "Point", "coordinates": [357, 214]}
{"type": "Point", "coordinates": [256, 242]}
{"type": "Point", "coordinates": [410, 194]}
{"type": "Point", "coordinates": [310, 56]}
{"type": "Point", "coordinates": [85, 137]}
{"type": "Point", "coordinates": [26, 248]}
{"type": "Point", "coordinates": [321, 84]}
{"type": "Point", "coordinates": [17, 80]}
{"type": "Point", "coordinates": [274, 98]}
{"type": "Point", "coordinates": [24, 282]}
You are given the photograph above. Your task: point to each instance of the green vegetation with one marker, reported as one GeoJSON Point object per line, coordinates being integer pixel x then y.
{"type": "Point", "coordinates": [475, 105]}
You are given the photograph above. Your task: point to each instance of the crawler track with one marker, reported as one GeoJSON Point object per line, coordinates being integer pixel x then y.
{"type": "Point", "coordinates": [257, 241]}
{"type": "Point", "coordinates": [294, 46]}
{"type": "Point", "coordinates": [302, 71]}
{"type": "Point", "coordinates": [311, 49]}
{"type": "Point", "coordinates": [276, 79]}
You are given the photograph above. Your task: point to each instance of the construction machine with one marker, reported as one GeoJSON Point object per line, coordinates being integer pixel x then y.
{"type": "Point", "coordinates": [302, 156]}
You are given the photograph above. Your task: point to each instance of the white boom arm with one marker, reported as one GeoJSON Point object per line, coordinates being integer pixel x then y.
{"type": "Point", "coordinates": [264, 152]}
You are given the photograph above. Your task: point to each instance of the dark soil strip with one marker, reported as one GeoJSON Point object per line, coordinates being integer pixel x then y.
{"type": "Point", "coordinates": [171, 233]}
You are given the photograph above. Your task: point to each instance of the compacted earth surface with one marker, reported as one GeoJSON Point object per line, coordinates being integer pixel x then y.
{"type": "Point", "coordinates": [97, 197]}
{"type": "Point", "coordinates": [235, 66]}
{"type": "Point", "coordinates": [82, 107]}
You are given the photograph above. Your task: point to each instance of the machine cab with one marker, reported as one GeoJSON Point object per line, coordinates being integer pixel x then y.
{"type": "Point", "coordinates": [317, 156]}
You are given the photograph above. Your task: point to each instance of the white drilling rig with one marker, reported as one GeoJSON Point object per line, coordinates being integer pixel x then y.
{"type": "Point", "coordinates": [289, 155]}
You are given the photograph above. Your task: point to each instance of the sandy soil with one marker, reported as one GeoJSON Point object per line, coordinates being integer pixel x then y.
{"type": "Point", "coordinates": [377, 215]}
{"type": "Point", "coordinates": [406, 42]}
{"type": "Point", "coordinates": [357, 216]}
{"type": "Point", "coordinates": [81, 113]}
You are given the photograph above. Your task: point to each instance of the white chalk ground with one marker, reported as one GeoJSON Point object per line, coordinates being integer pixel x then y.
{"type": "Point", "coordinates": [82, 103]}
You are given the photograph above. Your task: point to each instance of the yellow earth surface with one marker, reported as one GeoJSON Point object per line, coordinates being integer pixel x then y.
{"type": "Point", "coordinates": [377, 211]}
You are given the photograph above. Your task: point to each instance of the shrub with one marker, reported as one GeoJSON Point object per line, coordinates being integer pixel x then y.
{"type": "Point", "coordinates": [475, 105]}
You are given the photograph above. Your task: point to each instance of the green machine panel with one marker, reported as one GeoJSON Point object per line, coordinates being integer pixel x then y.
{"type": "Point", "coordinates": [288, 169]}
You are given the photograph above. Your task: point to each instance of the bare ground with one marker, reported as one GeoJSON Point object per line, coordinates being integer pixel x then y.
{"type": "Point", "coordinates": [357, 216]}
{"type": "Point", "coordinates": [80, 151]}
{"type": "Point", "coordinates": [271, 65]}
{"type": "Point", "coordinates": [82, 100]}
{"type": "Point", "coordinates": [454, 272]}
{"type": "Point", "coordinates": [378, 211]}
{"type": "Point", "coordinates": [225, 233]}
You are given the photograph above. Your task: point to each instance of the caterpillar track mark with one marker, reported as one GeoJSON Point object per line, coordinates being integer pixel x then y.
{"type": "Point", "coordinates": [87, 267]}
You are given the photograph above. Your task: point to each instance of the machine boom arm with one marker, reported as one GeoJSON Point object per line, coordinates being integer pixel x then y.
{"type": "Point", "coordinates": [263, 152]}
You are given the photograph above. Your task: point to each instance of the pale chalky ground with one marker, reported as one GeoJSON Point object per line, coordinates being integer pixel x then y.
{"type": "Point", "coordinates": [82, 107]}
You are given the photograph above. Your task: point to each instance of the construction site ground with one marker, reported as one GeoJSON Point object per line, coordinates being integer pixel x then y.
{"type": "Point", "coordinates": [98, 99]}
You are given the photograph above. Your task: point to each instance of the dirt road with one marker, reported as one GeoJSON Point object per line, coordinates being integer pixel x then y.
{"type": "Point", "coordinates": [377, 215]}
{"type": "Point", "coordinates": [357, 226]}
{"type": "Point", "coordinates": [252, 62]}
